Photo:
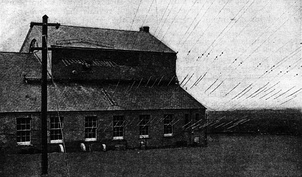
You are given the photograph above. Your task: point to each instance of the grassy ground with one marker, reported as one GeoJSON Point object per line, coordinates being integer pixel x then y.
{"type": "Point", "coordinates": [226, 155]}
{"type": "Point", "coordinates": [273, 122]}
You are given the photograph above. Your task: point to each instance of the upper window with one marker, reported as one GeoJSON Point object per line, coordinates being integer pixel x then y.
{"type": "Point", "coordinates": [118, 127]}
{"type": "Point", "coordinates": [32, 45]}
{"type": "Point", "coordinates": [90, 128]}
{"type": "Point", "coordinates": [144, 126]}
{"type": "Point", "coordinates": [56, 124]}
{"type": "Point", "coordinates": [168, 127]}
{"type": "Point", "coordinates": [23, 131]}
{"type": "Point", "coordinates": [197, 118]}
{"type": "Point", "coordinates": [187, 120]}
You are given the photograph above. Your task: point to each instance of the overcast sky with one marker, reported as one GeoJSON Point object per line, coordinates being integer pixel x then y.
{"type": "Point", "coordinates": [232, 54]}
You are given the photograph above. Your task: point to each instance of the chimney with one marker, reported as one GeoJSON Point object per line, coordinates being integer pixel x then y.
{"type": "Point", "coordinates": [144, 29]}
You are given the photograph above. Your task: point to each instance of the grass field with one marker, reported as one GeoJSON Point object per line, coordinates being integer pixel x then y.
{"type": "Point", "coordinates": [226, 155]}
{"type": "Point", "coordinates": [272, 122]}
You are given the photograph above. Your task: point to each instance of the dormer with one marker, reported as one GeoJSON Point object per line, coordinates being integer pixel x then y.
{"type": "Point", "coordinates": [86, 54]}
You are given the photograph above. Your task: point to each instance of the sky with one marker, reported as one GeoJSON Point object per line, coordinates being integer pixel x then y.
{"type": "Point", "coordinates": [231, 54]}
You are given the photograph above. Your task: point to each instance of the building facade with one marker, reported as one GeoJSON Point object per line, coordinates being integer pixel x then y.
{"type": "Point", "coordinates": [112, 89]}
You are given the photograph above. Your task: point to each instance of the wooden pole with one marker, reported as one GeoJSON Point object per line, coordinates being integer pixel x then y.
{"type": "Point", "coordinates": [44, 162]}
{"type": "Point", "coordinates": [44, 24]}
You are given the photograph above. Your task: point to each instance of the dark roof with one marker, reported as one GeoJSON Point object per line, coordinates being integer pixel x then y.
{"type": "Point", "coordinates": [15, 95]}
{"type": "Point", "coordinates": [79, 97]}
{"type": "Point", "coordinates": [19, 96]}
{"type": "Point", "coordinates": [88, 37]}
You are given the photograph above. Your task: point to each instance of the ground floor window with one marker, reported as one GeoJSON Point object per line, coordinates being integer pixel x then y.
{"type": "Point", "coordinates": [197, 118]}
{"type": "Point", "coordinates": [187, 121]}
{"type": "Point", "coordinates": [90, 128]}
{"type": "Point", "coordinates": [56, 124]}
{"type": "Point", "coordinates": [168, 127]}
{"type": "Point", "coordinates": [144, 126]}
{"type": "Point", "coordinates": [23, 131]}
{"type": "Point", "coordinates": [118, 127]}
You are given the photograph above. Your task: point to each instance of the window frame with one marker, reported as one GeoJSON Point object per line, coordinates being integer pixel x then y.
{"type": "Point", "coordinates": [55, 129]}
{"type": "Point", "coordinates": [197, 117]}
{"type": "Point", "coordinates": [26, 143]}
{"type": "Point", "coordinates": [94, 128]}
{"type": "Point", "coordinates": [118, 130]}
{"type": "Point", "coordinates": [168, 125]}
{"type": "Point", "coordinates": [144, 121]}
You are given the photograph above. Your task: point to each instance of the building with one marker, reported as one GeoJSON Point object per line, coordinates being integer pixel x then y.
{"type": "Point", "coordinates": [107, 87]}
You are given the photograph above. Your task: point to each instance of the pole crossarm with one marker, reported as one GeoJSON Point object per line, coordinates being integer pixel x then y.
{"type": "Point", "coordinates": [39, 48]}
{"type": "Point", "coordinates": [57, 25]}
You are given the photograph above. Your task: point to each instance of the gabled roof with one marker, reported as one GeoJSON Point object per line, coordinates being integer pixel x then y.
{"type": "Point", "coordinates": [19, 96]}
{"type": "Point", "coordinates": [88, 37]}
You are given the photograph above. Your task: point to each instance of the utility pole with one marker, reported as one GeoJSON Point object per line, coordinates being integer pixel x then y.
{"type": "Point", "coordinates": [44, 24]}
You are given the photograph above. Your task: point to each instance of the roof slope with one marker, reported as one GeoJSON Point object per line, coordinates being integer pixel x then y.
{"type": "Point", "coordinates": [19, 96]}
{"type": "Point", "coordinates": [14, 93]}
{"type": "Point", "coordinates": [88, 37]}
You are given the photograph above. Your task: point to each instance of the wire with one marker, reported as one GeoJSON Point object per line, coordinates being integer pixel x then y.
{"type": "Point", "coordinates": [273, 94]}
{"type": "Point", "coordinates": [258, 90]}
{"type": "Point", "coordinates": [266, 39]}
{"type": "Point", "coordinates": [195, 19]}
{"type": "Point", "coordinates": [183, 43]}
{"type": "Point", "coordinates": [209, 26]}
{"type": "Point", "coordinates": [198, 80]}
{"type": "Point", "coordinates": [188, 11]}
{"type": "Point", "coordinates": [263, 42]}
{"type": "Point", "coordinates": [284, 92]}
{"type": "Point", "coordinates": [293, 53]}
{"type": "Point", "coordinates": [288, 100]}
{"type": "Point", "coordinates": [173, 21]}
{"type": "Point", "coordinates": [210, 85]}
{"type": "Point", "coordinates": [234, 25]}
{"type": "Point", "coordinates": [162, 17]}
{"type": "Point", "coordinates": [147, 13]}
{"type": "Point", "coordinates": [166, 17]}
{"type": "Point", "coordinates": [294, 92]}
{"type": "Point", "coordinates": [242, 91]}
{"type": "Point", "coordinates": [232, 89]}
{"type": "Point", "coordinates": [254, 41]}
{"type": "Point", "coordinates": [188, 80]}
{"type": "Point", "coordinates": [140, 2]}
{"type": "Point", "coordinates": [216, 87]}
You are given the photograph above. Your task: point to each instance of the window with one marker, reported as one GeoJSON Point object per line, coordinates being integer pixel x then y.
{"type": "Point", "coordinates": [32, 45]}
{"type": "Point", "coordinates": [197, 118]}
{"type": "Point", "coordinates": [56, 130]}
{"type": "Point", "coordinates": [144, 126]}
{"type": "Point", "coordinates": [118, 127]}
{"type": "Point", "coordinates": [90, 128]}
{"type": "Point", "coordinates": [23, 131]}
{"type": "Point", "coordinates": [187, 120]}
{"type": "Point", "coordinates": [168, 127]}
{"type": "Point", "coordinates": [87, 66]}
{"type": "Point", "coordinates": [196, 139]}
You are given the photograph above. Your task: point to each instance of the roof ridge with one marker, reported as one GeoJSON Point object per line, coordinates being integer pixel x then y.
{"type": "Point", "coordinates": [14, 52]}
{"type": "Point", "coordinates": [146, 40]}
{"type": "Point", "coordinates": [99, 28]}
